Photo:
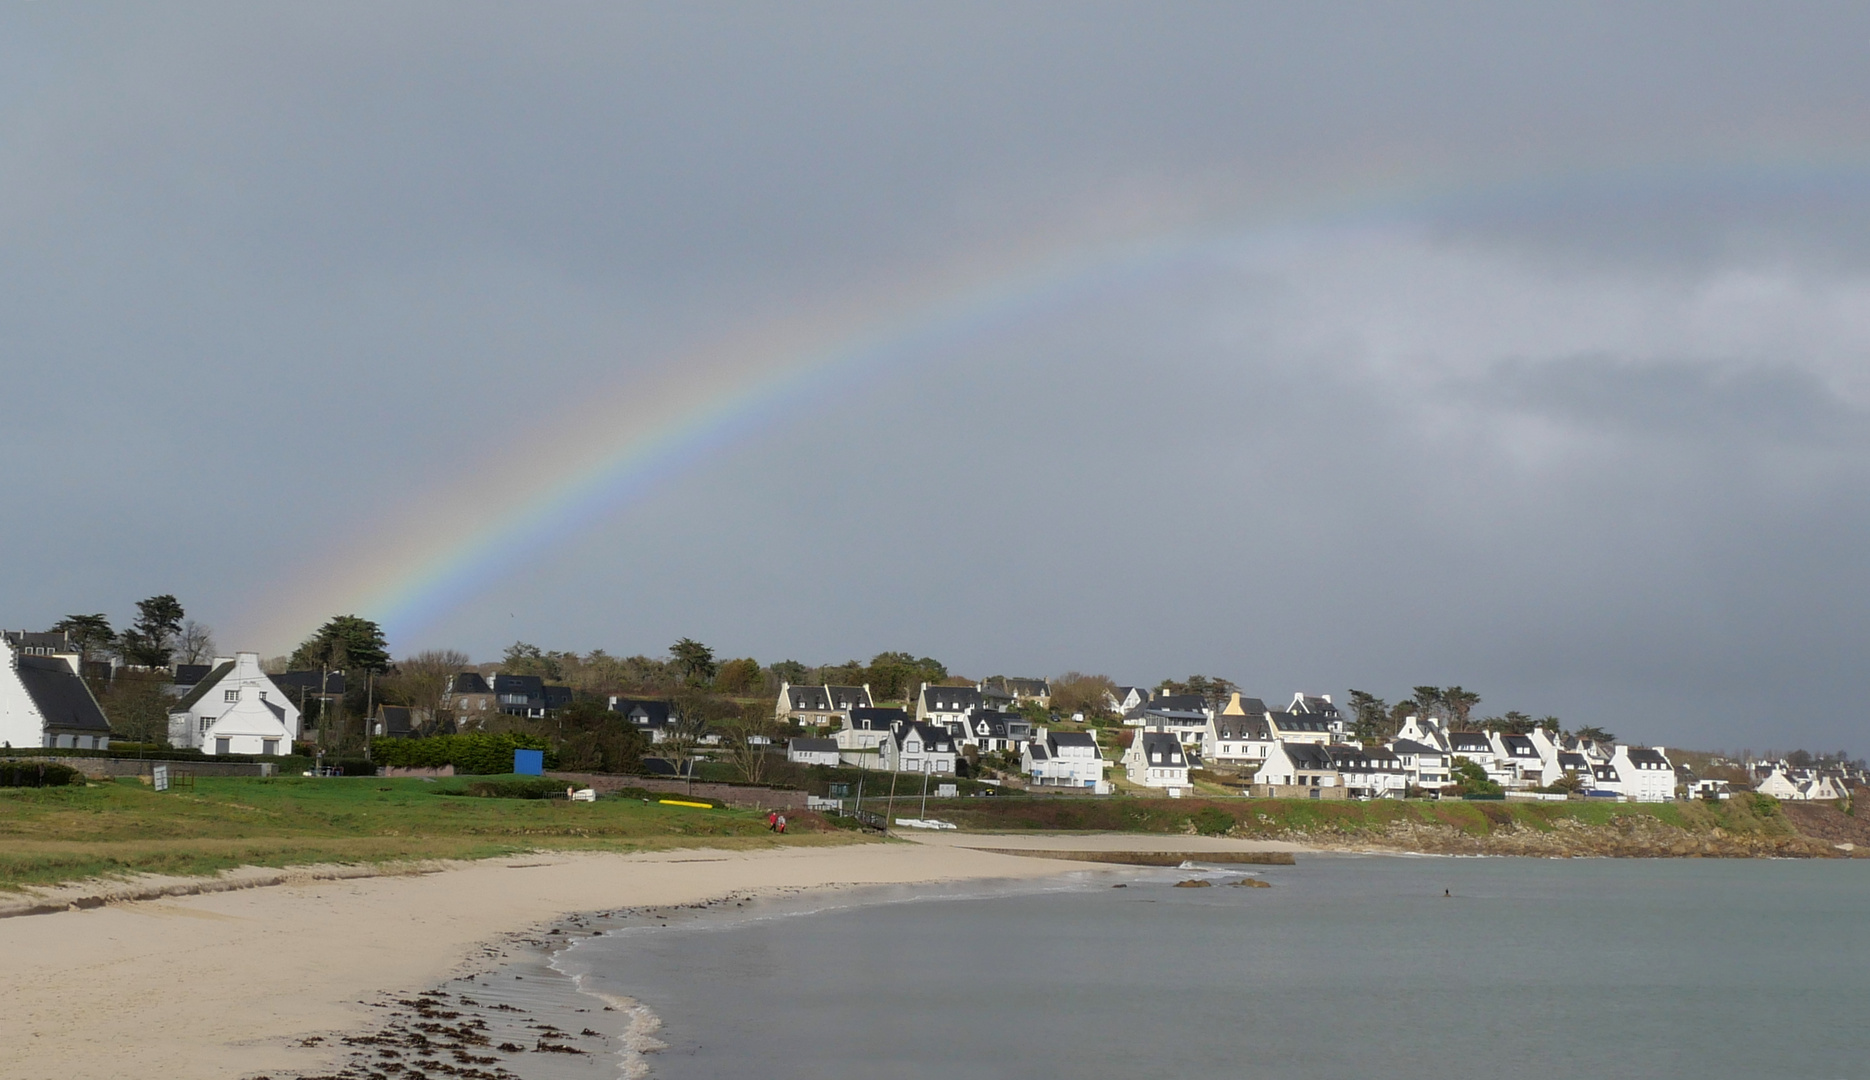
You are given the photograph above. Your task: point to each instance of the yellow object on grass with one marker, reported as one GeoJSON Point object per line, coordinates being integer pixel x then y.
{"type": "Point", "coordinates": [684, 802]}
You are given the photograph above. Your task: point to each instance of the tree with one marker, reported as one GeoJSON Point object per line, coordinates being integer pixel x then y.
{"type": "Point", "coordinates": [694, 660]}
{"type": "Point", "coordinates": [345, 643]}
{"type": "Point", "coordinates": [522, 658]}
{"type": "Point", "coordinates": [195, 642]}
{"type": "Point", "coordinates": [738, 677]}
{"type": "Point", "coordinates": [1471, 779]}
{"type": "Point", "coordinates": [1459, 703]}
{"type": "Point", "coordinates": [1593, 733]}
{"type": "Point", "coordinates": [897, 676]}
{"type": "Point", "coordinates": [1076, 692]}
{"type": "Point", "coordinates": [690, 716]}
{"type": "Point", "coordinates": [1370, 718]}
{"type": "Point", "coordinates": [738, 738]}
{"type": "Point", "coordinates": [88, 632]}
{"type": "Point", "coordinates": [137, 704]}
{"type": "Point", "coordinates": [150, 640]}
{"type": "Point", "coordinates": [789, 671]}
{"type": "Point", "coordinates": [591, 738]}
{"type": "Point", "coordinates": [422, 681]}
{"type": "Point", "coordinates": [1513, 723]}
{"type": "Point", "coordinates": [1209, 688]}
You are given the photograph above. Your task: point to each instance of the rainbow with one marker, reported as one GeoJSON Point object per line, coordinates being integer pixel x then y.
{"type": "Point", "coordinates": [639, 436]}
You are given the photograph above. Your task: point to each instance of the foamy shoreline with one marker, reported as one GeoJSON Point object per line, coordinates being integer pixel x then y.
{"type": "Point", "coordinates": [265, 981]}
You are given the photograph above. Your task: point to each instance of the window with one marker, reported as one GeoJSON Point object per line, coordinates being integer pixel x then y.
{"type": "Point", "coordinates": [230, 695]}
{"type": "Point", "coordinates": [204, 723]}
{"type": "Point", "coordinates": [221, 745]}
{"type": "Point", "coordinates": [269, 747]}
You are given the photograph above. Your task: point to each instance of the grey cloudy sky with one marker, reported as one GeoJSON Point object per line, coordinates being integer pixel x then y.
{"type": "Point", "coordinates": [1441, 343]}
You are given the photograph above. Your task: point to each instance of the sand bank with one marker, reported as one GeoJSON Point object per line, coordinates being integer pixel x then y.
{"type": "Point", "coordinates": [226, 984]}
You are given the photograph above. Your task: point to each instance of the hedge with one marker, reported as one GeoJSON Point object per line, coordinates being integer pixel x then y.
{"type": "Point", "coordinates": [38, 774]}
{"type": "Point", "coordinates": [477, 753]}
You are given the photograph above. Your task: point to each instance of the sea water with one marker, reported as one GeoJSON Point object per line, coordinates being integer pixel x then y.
{"type": "Point", "coordinates": [1345, 967]}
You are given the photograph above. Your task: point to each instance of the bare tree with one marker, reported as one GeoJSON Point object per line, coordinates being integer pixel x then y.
{"type": "Point", "coordinates": [421, 681]}
{"type": "Point", "coordinates": [195, 643]}
{"type": "Point", "coordinates": [748, 741]}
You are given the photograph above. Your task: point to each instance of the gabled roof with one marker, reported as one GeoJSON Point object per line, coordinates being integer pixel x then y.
{"type": "Point", "coordinates": [396, 719]}
{"type": "Point", "coordinates": [642, 712]}
{"type": "Point", "coordinates": [849, 697]}
{"type": "Point", "coordinates": [1252, 726]}
{"type": "Point", "coordinates": [1163, 743]}
{"type": "Point", "coordinates": [950, 698]}
{"type": "Point", "coordinates": [205, 684]}
{"type": "Point", "coordinates": [190, 674]}
{"type": "Point", "coordinates": [61, 697]}
{"type": "Point", "coordinates": [1470, 740]}
{"type": "Point", "coordinates": [1071, 738]}
{"type": "Point", "coordinates": [531, 685]}
{"type": "Point", "coordinates": [1643, 755]}
{"type": "Point", "coordinates": [291, 682]}
{"type": "Point", "coordinates": [1410, 746]}
{"type": "Point", "coordinates": [556, 697]}
{"type": "Point", "coordinates": [1308, 756]}
{"type": "Point", "coordinates": [469, 682]}
{"type": "Point", "coordinates": [875, 719]}
{"type": "Point", "coordinates": [812, 746]}
{"type": "Point", "coordinates": [1179, 702]}
{"type": "Point", "coordinates": [1290, 721]}
{"type": "Point", "coordinates": [935, 740]}
{"type": "Point", "coordinates": [807, 699]}
{"type": "Point", "coordinates": [1519, 745]}
{"type": "Point", "coordinates": [1358, 759]}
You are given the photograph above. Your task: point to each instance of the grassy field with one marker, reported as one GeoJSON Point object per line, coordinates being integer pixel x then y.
{"type": "Point", "coordinates": [49, 835]}
{"type": "Point", "coordinates": [1274, 817]}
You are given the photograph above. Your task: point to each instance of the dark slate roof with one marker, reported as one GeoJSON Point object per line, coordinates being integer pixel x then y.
{"type": "Point", "coordinates": [1469, 740]}
{"type": "Point", "coordinates": [469, 682]}
{"type": "Point", "coordinates": [1289, 721]}
{"type": "Point", "coordinates": [642, 712]}
{"type": "Point", "coordinates": [1072, 738]}
{"type": "Point", "coordinates": [557, 697]}
{"type": "Point", "coordinates": [205, 684]}
{"type": "Point", "coordinates": [876, 719]}
{"type": "Point", "coordinates": [935, 740]}
{"type": "Point", "coordinates": [396, 720]}
{"type": "Point", "coordinates": [1179, 702]}
{"type": "Point", "coordinates": [849, 697]}
{"type": "Point", "coordinates": [807, 699]}
{"type": "Point", "coordinates": [1316, 706]}
{"type": "Point", "coordinates": [1308, 756]}
{"type": "Point", "coordinates": [61, 696]}
{"type": "Point", "coordinates": [531, 685]}
{"type": "Point", "coordinates": [1037, 750]}
{"type": "Point", "coordinates": [1243, 727]}
{"type": "Point", "coordinates": [1358, 759]}
{"type": "Point", "coordinates": [190, 674]}
{"type": "Point", "coordinates": [1027, 687]}
{"type": "Point", "coordinates": [950, 698]}
{"type": "Point", "coordinates": [1161, 742]}
{"type": "Point", "coordinates": [1153, 714]}
{"type": "Point", "coordinates": [40, 642]}
{"type": "Point", "coordinates": [812, 746]}
{"type": "Point", "coordinates": [1252, 706]}
{"type": "Point", "coordinates": [1519, 745]}
{"type": "Point", "coordinates": [1643, 755]}
{"type": "Point", "coordinates": [1410, 746]}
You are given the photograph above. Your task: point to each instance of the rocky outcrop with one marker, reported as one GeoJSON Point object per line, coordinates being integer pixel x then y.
{"type": "Point", "coordinates": [1624, 836]}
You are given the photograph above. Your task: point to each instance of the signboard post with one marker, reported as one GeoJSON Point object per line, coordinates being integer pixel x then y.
{"type": "Point", "coordinates": [159, 775]}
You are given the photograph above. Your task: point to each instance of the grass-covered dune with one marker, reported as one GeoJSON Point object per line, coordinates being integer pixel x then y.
{"type": "Point", "coordinates": [54, 834]}
{"type": "Point", "coordinates": [1746, 825]}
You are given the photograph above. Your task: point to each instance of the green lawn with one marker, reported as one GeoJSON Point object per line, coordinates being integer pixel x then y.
{"type": "Point", "coordinates": [50, 835]}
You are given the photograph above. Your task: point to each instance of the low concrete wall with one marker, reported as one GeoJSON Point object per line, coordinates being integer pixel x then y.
{"type": "Point", "coordinates": [761, 798]}
{"type": "Point", "coordinates": [103, 768]}
{"type": "Point", "coordinates": [1298, 791]}
{"type": "Point", "coordinates": [416, 770]}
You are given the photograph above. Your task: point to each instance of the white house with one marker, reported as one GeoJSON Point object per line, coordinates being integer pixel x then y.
{"type": "Point", "coordinates": [1122, 699]}
{"type": "Point", "coordinates": [1644, 774]}
{"type": "Point", "coordinates": [803, 705]}
{"type": "Point", "coordinates": [860, 740]}
{"type": "Point", "coordinates": [44, 702]}
{"type": "Point", "coordinates": [1477, 747]}
{"type": "Point", "coordinates": [1155, 759]}
{"type": "Point", "coordinates": [992, 732]}
{"type": "Point", "coordinates": [1296, 727]}
{"type": "Point", "coordinates": [915, 747]}
{"type": "Point", "coordinates": [1425, 766]}
{"type": "Point", "coordinates": [1239, 735]}
{"type": "Point", "coordinates": [236, 709]}
{"type": "Point", "coordinates": [1299, 764]}
{"type": "Point", "coordinates": [1063, 759]}
{"type": "Point", "coordinates": [1376, 773]}
{"type": "Point", "coordinates": [812, 751]}
{"type": "Point", "coordinates": [1519, 755]}
{"type": "Point", "coordinates": [944, 705]}
{"type": "Point", "coordinates": [1425, 730]}
{"type": "Point", "coordinates": [1785, 782]}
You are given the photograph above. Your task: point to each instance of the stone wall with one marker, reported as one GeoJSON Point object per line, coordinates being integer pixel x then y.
{"type": "Point", "coordinates": [103, 768]}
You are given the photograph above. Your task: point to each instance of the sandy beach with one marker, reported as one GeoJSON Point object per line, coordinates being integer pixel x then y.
{"type": "Point", "coordinates": [226, 984]}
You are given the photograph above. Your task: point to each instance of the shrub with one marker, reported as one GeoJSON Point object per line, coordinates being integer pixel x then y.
{"type": "Point", "coordinates": [38, 774]}
{"type": "Point", "coordinates": [476, 753]}
{"type": "Point", "coordinates": [1212, 821]}
{"type": "Point", "coordinates": [521, 787]}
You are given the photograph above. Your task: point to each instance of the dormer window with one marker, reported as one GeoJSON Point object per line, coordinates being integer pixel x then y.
{"type": "Point", "coordinates": [230, 695]}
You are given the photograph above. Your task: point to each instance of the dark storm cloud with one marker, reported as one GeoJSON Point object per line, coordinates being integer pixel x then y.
{"type": "Point", "coordinates": [1572, 415]}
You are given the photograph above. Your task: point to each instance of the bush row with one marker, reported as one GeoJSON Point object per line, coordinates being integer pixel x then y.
{"type": "Point", "coordinates": [38, 774]}
{"type": "Point", "coordinates": [480, 753]}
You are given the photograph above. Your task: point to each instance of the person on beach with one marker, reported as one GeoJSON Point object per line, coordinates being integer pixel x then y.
{"type": "Point", "coordinates": [780, 821]}
{"type": "Point", "coordinates": [772, 821]}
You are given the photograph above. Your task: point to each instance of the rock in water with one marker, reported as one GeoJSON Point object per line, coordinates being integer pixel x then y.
{"type": "Point", "coordinates": [1253, 883]}
{"type": "Point", "coordinates": [1194, 883]}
